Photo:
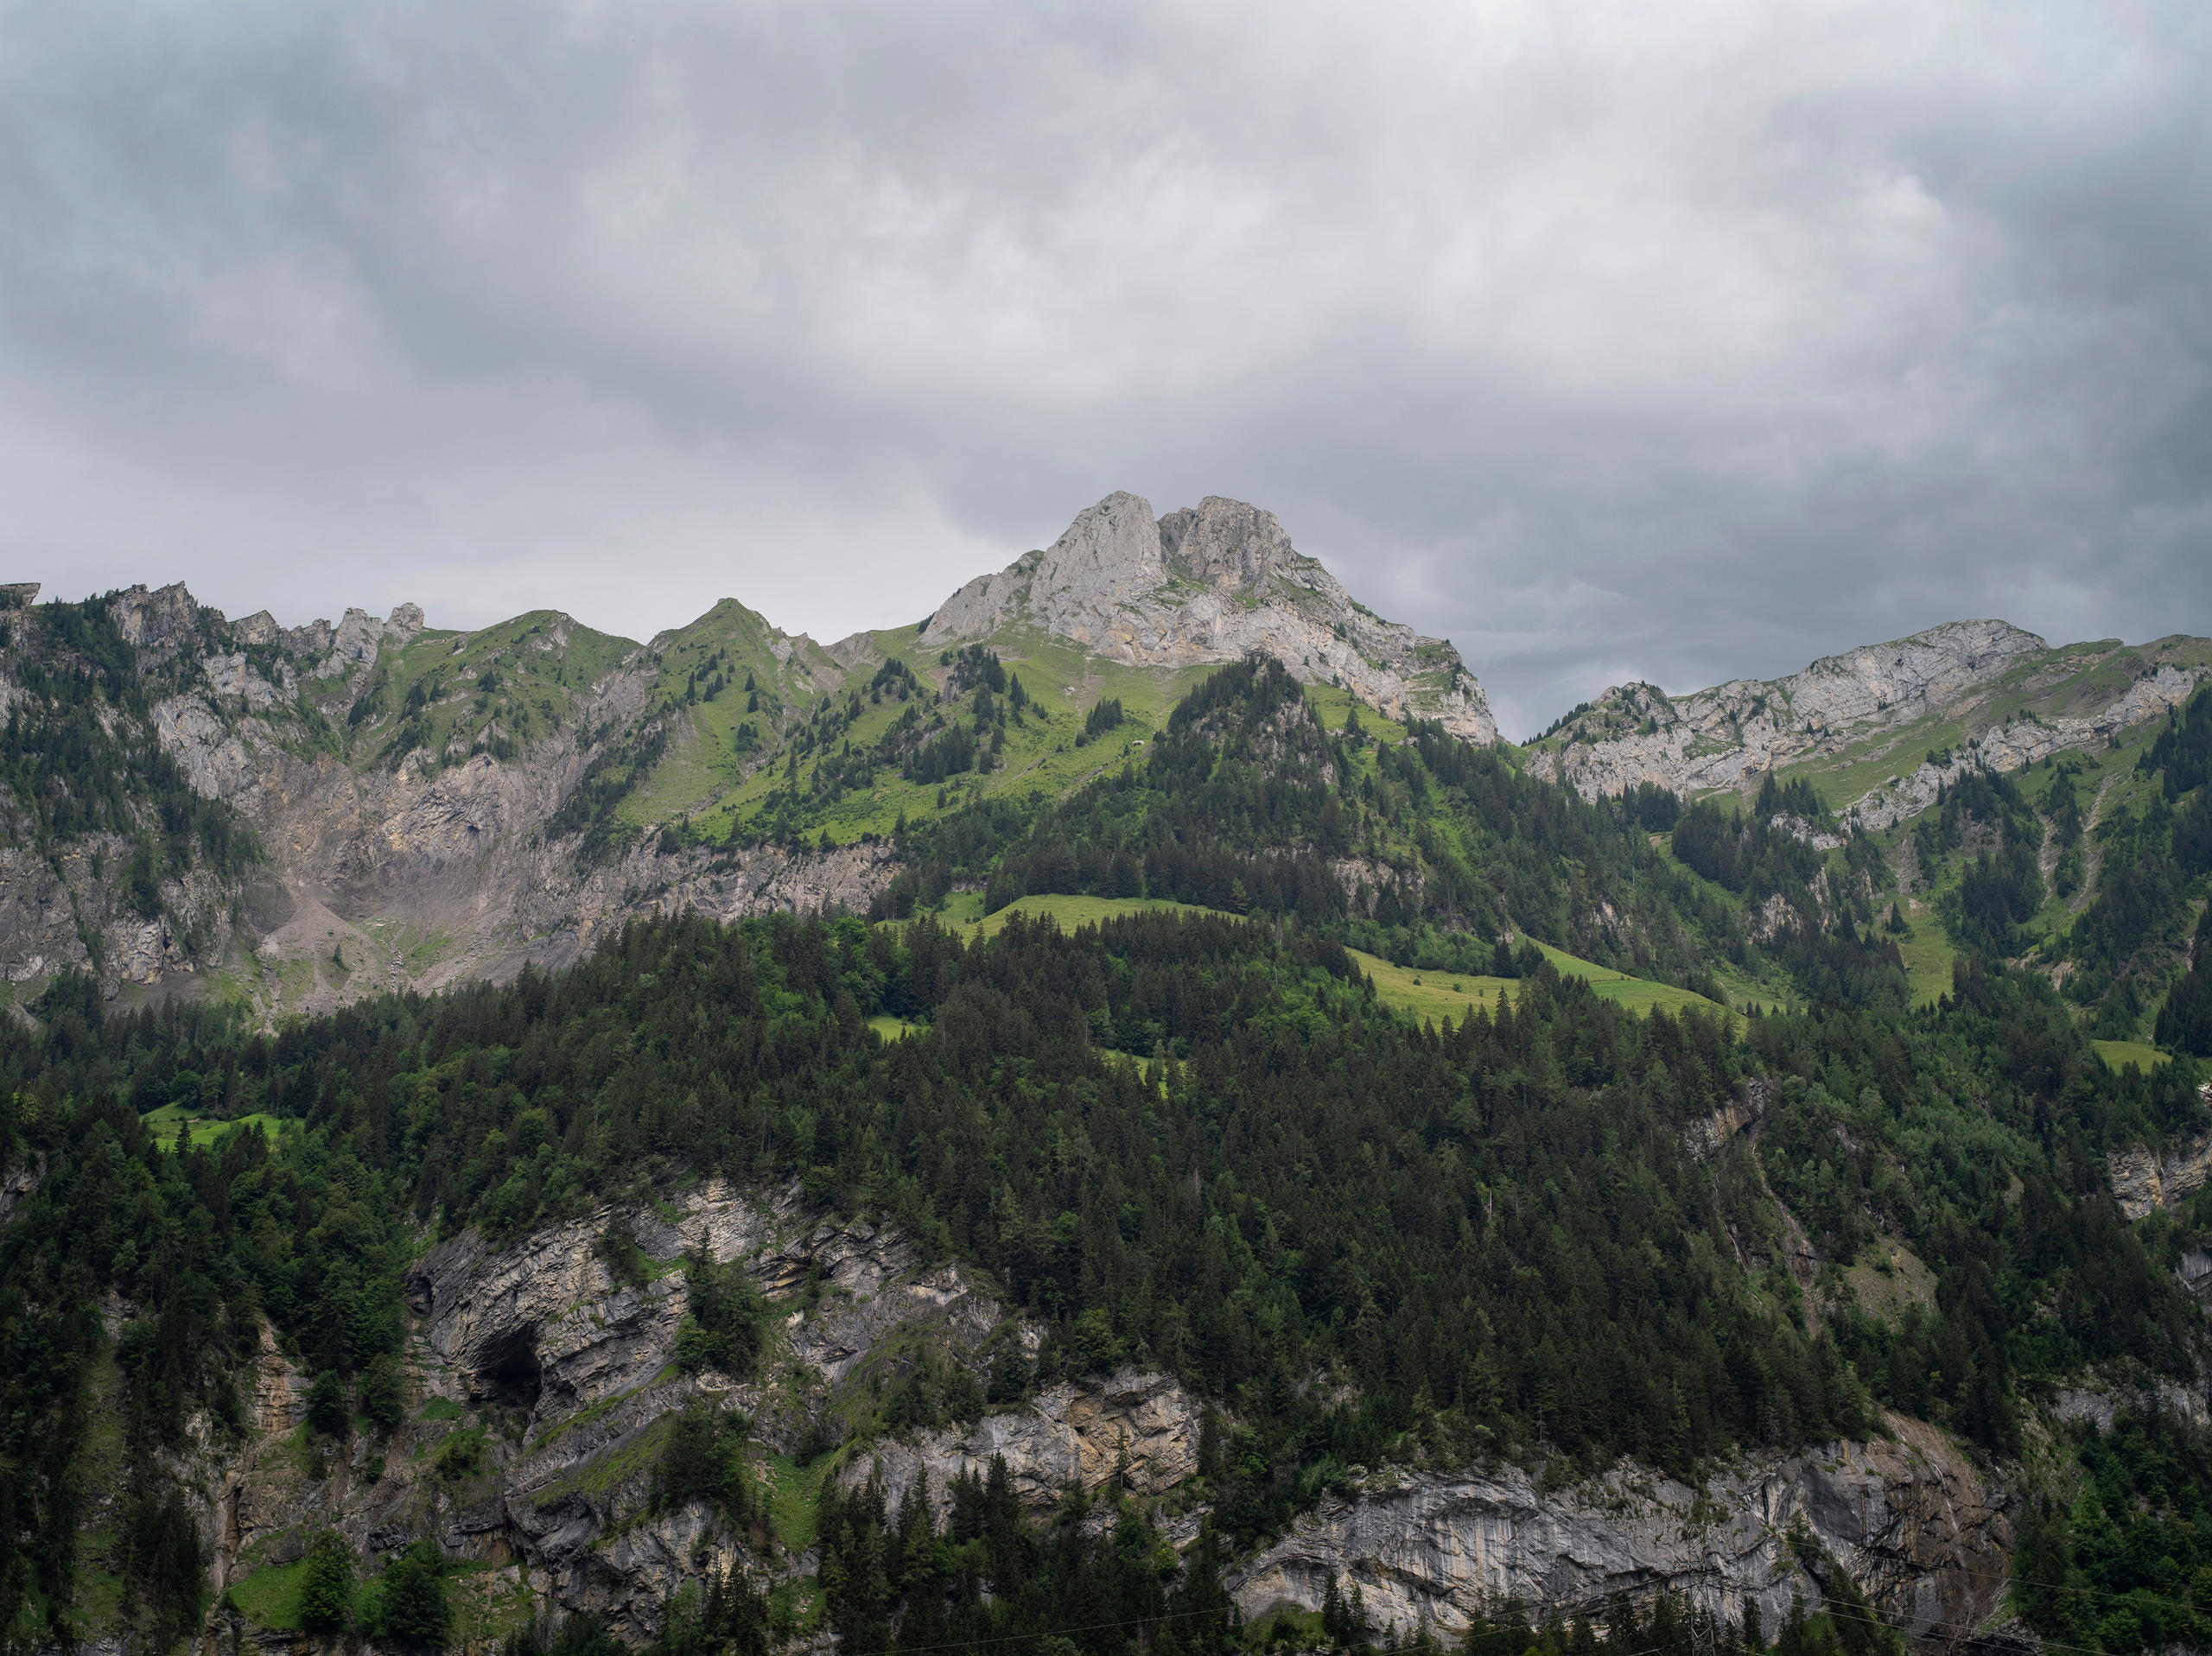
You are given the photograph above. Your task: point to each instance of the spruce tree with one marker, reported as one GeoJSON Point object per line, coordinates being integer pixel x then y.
{"type": "Point", "coordinates": [326, 1583]}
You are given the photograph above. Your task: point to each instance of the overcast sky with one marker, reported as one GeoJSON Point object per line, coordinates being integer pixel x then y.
{"type": "Point", "coordinates": [1609, 340]}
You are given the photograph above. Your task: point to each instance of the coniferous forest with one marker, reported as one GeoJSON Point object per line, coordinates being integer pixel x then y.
{"type": "Point", "coordinates": [1206, 1144]}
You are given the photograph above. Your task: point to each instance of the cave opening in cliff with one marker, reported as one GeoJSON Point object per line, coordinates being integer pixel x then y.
{"type": "Point", "coordinates": [513, 1376]}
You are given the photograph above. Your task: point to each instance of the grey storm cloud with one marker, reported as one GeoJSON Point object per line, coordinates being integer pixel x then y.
{"type": "Point", "coordinates": [1609, 340]}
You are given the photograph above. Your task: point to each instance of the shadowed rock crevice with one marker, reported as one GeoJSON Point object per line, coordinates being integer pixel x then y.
{"type": "Point", "coordinates": [512, 1377]}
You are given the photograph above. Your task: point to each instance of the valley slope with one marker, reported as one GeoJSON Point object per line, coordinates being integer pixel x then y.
{"type": "Point", "coordinates": [1401, 1173]}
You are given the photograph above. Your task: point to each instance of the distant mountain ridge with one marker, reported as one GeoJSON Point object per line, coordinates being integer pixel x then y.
{"type": "Point", "coordinates": [421, 804]}
{"type": "Point", "coordinates": [415, 804]}
{"type": "Point", "coordinates": [1884, 726]}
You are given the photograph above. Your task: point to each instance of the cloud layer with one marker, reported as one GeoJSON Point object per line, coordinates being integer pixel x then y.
{"type": "Point", "coordinates": [1609, 340]}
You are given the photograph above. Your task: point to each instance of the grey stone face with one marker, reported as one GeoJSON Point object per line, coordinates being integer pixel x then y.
{"type": "Point", "coordinates": [1133, 1430]}
{"type": "Point", "coordinates": [1211, 583]}
{"type": "Point", "coordinates": [568, 1374]}
{"type": "Point", "coordinates": [357, 857]}
{"type": "Point", "coordinates": [1732, 735]}
{"type": "Point", "coordinates": [1924, 1534]}
{"type": "Point", "coordinates": [2144, 1180]}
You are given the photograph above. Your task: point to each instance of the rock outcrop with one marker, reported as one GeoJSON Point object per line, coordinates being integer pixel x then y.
{"type": "Point", "coordinates": [56, 910]}
{"type": "Point", "coordinates": [1864, 700]}
{"type": "Point", "coordinates": [1211, 583]}
{"type": "Point", "coordinates": [543, 1387]}
{"type": "Point", "coordinates": [1703, 1138]}
{"type": "Point", "coordinates": [1135, 1430]}
{"type": "Point", "coordinates": [1718, 738]}
{"type": "Point", "coordinates": [1921, 1532]}
{"type": "Point", "coordinates": [2144, 1179]}
{"type": "Point", "coordinates": [556, 1378]}
{"type": "Point", "coordinates": [2013, 746]}
{"type": "Point", "coordinates": [377, 870]}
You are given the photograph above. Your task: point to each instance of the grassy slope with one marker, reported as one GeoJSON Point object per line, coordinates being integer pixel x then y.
{"type": "Point", "coordinates": [1041, 753]}
{"type": "Point", "coordinates": [489, 1601]}
{"type": "Point", "coordinates": [1436, 995]}
{"type": "Point", "coordinates": [1431, 995]}
{"type": "Point", "coordinates": [1927, 956]}
{"type": "Point", "coordinates": [2118, 1054]}
{"type": "Point", "coordinates": [710, 758]}
{"type": "Point", "coordinates": [206, 1130]}
{"type": "Point", "coordinates": [706, 776]}
{"type": "Point", "coordinates": [1929, 953]}
{"type": "Point", "coordinates": [546, 665]}
{"type": "Point", "coordinates": [270, 1597]}
{"type": "Point", "coordinates": [1073, 912]}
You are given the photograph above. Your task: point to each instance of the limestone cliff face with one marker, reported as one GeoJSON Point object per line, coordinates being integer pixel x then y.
{"type": "Point", "coordinates": [561, 1375]}
{"type": "Point", "coordinates": [1211, 583]}
{"type": "Point", "coordinates": [1132, 1429]}
{"type": "Point", "coordinates": [1924, 1534]}
{"type": "Point", "coordinates": [462, 853]}
{"type": "Point", "coordinates": [2011, 747]}
{"type": "Point", "coordinates": [1703, 1138]}
{"type": "Point", "coordinates": [1862, 701]}
{"type": "Point", "coordinates": [56, 912]}
{"type": "Point", "coordinates": [2144, 1180]}
{"type": "Point", "coordinates": [1717, 737]}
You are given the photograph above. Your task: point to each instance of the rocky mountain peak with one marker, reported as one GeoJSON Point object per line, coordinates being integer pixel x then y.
{"type": "Point", "coordinates": [1112, 552]}
{"type": "Point", "coordinates": [1211, 583]}
{"type": "Point", "coordinates": [163, 621]}
{"type": "Point", "coordinates": [158, 620]}
{"type": "Point", "coordinates": [1226, 543]}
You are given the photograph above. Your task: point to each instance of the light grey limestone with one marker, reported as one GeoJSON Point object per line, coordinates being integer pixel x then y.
{"type": "Point", "coordinates": [2144, 1180]}
{"type": "Point", "coordinates": [359, 858]}
{"type": "Point", "coordinates": [1211, 583]}
{"type": "Point", "coordinates": [1730, 736]}
{"type": "Point", "coordinates": [1135, 1429]}
{"type": "Point", "coordinates": [1925, 1535]}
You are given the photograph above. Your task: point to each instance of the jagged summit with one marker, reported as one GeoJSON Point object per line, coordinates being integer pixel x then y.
{"type": "Point", "coordinates": [164, 619]}
{"type": "Point", "coordinates": [1210, 583]}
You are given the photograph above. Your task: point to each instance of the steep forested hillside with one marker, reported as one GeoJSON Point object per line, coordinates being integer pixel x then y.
{"type": "Point", "coordinates": [85, 775]}
{"type": "Point", "coordinates": [1553, 1234]}
{"type": "Point", "coordinates": [1496, 1239]}
{"type": "Point", "coordinates": [1426, 850]}
{"type": "Point", "coordinates": [1513, 1246]}
{"type": "Point", "coordinates": [2091, 867]}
